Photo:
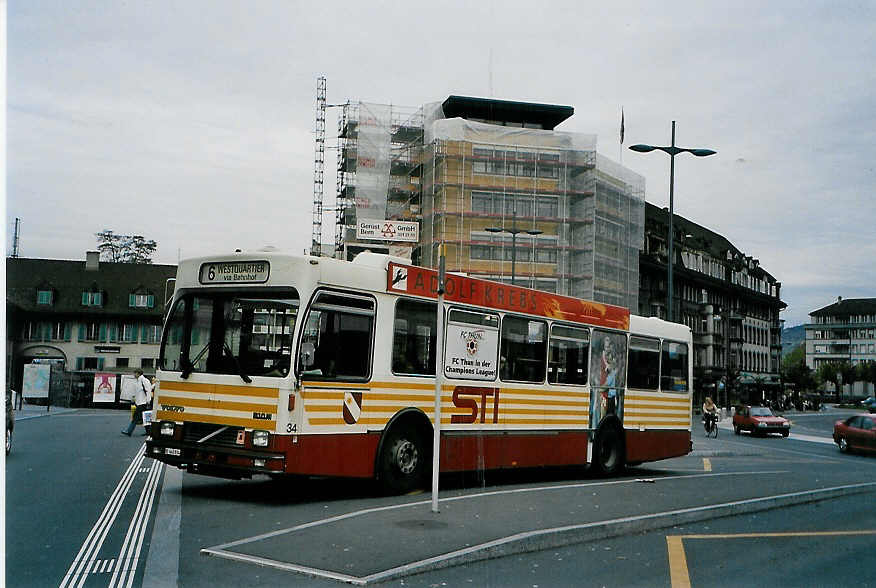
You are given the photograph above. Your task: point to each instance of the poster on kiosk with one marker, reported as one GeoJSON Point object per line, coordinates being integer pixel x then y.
{"type": "Point", "coordinates": [104, 388]}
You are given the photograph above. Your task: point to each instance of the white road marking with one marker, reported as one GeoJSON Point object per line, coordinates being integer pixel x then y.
{"type": "Point", "coordinates": [129, 555]}
{"type": "Point", "coordinates": [223, 550]}
{"type": "Point", "coordinates": [98, 533]}
{"type": "Point", "coordinates": [124, 566]}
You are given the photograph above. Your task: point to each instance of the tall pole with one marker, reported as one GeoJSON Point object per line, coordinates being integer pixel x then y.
{"type": "Point", "coordinates": [439, 378]}
{"type": "Point", "coordinates": [669, 312]}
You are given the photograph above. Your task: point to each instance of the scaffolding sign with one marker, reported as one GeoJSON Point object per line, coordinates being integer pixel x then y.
{"type": "Point", "coordinates": [388, 230]}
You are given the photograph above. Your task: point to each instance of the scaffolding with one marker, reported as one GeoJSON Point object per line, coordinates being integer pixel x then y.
{"type": "Point", "coordinates": [540, 203]}
{"type": "Point", "coordinates": [378, 147]}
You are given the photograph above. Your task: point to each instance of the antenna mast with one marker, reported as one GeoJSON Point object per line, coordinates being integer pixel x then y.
{"type": "Point", "coordinates": [15, 237]}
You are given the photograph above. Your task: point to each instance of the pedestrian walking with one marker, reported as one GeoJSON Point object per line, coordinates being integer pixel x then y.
{"type": "Point", "coordinates": [142, 398]}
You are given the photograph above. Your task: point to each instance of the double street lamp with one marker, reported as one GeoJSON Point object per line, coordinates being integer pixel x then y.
{"type": "Point", "coordinates": [513, 230]}
{"type": "Point", "coordinates": [672, 150]}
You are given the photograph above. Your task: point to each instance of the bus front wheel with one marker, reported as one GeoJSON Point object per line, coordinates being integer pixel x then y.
{"type": "Point", "coordinates": [403, 461]}
{"type": "Point", "coordinates": [608, 451]}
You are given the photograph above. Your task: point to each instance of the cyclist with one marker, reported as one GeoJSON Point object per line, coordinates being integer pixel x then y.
{"type": "Point", "coordinates": [710, 413]}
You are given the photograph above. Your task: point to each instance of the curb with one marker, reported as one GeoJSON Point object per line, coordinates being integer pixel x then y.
{"type": "Point", "coordinates": [562, 536]}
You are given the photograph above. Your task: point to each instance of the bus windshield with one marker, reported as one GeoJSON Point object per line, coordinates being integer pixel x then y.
{"type": "Point", "coordinates": [230, 333]}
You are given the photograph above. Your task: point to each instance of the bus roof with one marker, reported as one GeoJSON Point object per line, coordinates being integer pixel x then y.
{"type": "Point", "coordinates": [380, 272]}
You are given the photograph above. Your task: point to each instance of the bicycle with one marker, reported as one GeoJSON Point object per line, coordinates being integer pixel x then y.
{"type": "Point", "coordinates": [710, 424]}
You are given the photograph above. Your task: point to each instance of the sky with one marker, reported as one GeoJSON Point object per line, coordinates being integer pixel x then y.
{"type": "Point", "coordinates": [192, 122]}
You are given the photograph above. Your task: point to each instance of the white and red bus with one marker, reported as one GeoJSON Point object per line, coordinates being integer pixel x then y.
{"type": "Point", "coordinates": [280, 364]}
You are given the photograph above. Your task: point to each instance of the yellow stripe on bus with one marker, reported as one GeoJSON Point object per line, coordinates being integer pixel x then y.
{"type": "Point", "coordinates": [165, 387]}
{"type": "Point", "coordinates": [218, 420]}
{"type": "Point", "coordinates": [218, 404]}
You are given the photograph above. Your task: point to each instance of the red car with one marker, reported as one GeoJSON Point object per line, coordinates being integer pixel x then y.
{"type": "Point", "coordinates": [856, 432]}
{"type": "Point", "coordinates": [760, 420]}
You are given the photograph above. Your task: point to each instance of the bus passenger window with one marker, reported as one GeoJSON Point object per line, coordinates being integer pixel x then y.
{"type": "Point", "coordinates": [523, 350]}
{"type": "Point", "coordinates": [413, 338]}
{"type": "Point", "coordinates": [673, 367]}
{"type": "Point", "coordinates": [644, 363]}
{"type": "Point", "coordinates": [568, 355]}
{"type": "Point", "coordinates": [340, 330]}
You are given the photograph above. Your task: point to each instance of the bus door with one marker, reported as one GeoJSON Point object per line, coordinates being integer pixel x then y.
{"type": "Point", "coordinates": [608, 366]}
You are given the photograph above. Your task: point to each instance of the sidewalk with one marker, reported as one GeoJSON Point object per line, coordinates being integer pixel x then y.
{"type": "Point", "coordinates": [32, 411]}
{"type": "Point", "coordinates": [385, 542]}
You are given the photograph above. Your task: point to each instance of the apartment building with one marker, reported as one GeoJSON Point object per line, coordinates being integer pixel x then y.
{"type": "Point", "coordinates": [83, 318]}
{"type": "Point", "coordinates": [844, 331]}
{"type": "Point", "coordinates": [730, 302]}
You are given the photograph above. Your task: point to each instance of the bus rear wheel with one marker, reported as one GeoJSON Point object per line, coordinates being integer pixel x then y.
{"type": "Point", "coordinates": [403, 461]}
{"type": "Point", "coordinates": [608, 451]}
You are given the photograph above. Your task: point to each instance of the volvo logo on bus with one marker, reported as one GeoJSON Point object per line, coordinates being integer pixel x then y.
{"type": "Point", "coordinates": [173, 408]}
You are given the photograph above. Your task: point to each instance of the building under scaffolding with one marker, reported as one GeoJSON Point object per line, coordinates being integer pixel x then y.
{"type": "Point", "coordinates": [511, 198]}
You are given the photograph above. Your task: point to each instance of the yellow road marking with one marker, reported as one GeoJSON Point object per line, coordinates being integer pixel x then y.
{"type": "Point", "coordinates": [678, 571]}
{"type": "Point", "coordinates": [707, 465]}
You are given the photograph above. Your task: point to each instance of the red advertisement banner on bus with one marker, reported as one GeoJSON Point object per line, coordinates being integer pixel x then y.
{"type": "Point", "coordinates": [418, 281]}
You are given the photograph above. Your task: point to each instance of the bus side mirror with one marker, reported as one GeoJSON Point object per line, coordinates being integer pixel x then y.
{"type": "Point", "coordinates": [308, 352]}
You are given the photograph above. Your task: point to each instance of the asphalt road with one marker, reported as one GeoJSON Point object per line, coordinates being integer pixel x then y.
{"type": "Point", "coordinates": [77, 492]}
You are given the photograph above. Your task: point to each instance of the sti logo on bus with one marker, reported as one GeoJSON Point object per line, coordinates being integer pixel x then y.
{"type": "Point", "coordinates": [235, 272]}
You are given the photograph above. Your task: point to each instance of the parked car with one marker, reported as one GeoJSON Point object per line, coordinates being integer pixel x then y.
{"type": "Point", "coordinates": [856, 433]}
{"type": "Point", "coordinates": [759, 420]}
{"type": "Point", "coordinates": [870, 404]}
{"type": "Point", "coordinates": [10, 419]}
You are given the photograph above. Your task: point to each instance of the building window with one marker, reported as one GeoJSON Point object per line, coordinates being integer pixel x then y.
{"type": "Point", "coordinates": [92, 331]}
{"type": "Point", "coordinates": [60, 331]}
{"type": "Point", "coordinates": [151, 334]}
{"type": "Point", "coordinates": [482, 202]}
{"type": "Point", "coordinates": [480, 252]}
{"type": "Point", "coordinates": [147, 363]}
{"type": "Point", "coordinates": [121, 362]}
{"type": "Point", "coordinates": [129, 333]}
{"type": "Point", "coordinates": [44, 297]}
{"type": "Point", "coordinates": [89, 363]}
{"type": "Point", "coordinates": [141, 301]}
{"type": "Point", "coordinates": [548, 206]}
{"type": "Point", "coordinates": [92, 299]}
{"type": "Point", "coordinates": [546, 255]}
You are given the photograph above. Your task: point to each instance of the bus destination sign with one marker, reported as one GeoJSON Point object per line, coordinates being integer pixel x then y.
{"type": "Point", "coordinates": [235, 272]}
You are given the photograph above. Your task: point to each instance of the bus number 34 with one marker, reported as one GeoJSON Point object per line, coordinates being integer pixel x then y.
{"type": "Point", "coordinates": [474, 398]}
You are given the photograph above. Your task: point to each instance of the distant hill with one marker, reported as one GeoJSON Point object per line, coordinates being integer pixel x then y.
{"type": "Point", "coordinates": [791, 338]}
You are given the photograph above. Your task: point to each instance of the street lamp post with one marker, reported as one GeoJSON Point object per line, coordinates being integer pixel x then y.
{"type": "Point", "coordinates": [513, 230]}
{"type": "Point", "coordinates": [672, 150]}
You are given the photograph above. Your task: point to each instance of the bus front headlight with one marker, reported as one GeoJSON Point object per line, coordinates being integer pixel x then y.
{"type": "Point", "coordinates": [260, 438]}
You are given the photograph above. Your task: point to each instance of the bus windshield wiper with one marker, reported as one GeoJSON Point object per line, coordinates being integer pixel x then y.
{"type": "Point", "coordinates": [190, 365]}
{"type": "Point", "coordinates": [240, 371]}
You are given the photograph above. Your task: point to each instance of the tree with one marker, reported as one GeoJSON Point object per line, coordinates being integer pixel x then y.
{"type": "Point", "coordinates": [865, 371]}
{"type": "Point", "coordinates": [795, 371]}
{"type": "Point", "coordinates": [828, 372]}
{"type": "Point", "coordinates": [124, 248]}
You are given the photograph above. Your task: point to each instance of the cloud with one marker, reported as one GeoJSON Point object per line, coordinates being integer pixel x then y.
{"type": "Point", "coordinates": [192, 121]}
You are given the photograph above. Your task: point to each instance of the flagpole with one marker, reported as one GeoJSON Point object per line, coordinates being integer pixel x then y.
{"type": "Point", "coordinates": [620, 147]}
